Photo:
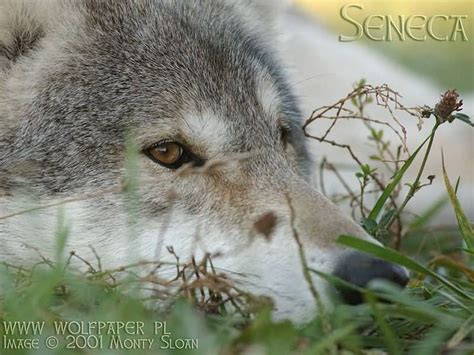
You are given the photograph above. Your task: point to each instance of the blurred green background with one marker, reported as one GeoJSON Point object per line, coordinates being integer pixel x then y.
{"type": "Point", "coordinates": [450, 64]}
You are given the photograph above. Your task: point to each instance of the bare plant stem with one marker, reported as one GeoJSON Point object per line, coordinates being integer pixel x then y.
{"type": "Point", "coordinates": [373, 175]}
{"type": "Point", "coordinates": [363, 185]}
{"type": "Point", "coordinates": [415, 186]}
{"type": "Point", "coordinates": [326, 325]}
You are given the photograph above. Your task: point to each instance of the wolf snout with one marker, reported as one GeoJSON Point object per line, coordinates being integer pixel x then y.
{"type": "Point", "coordinates": [359, 269]}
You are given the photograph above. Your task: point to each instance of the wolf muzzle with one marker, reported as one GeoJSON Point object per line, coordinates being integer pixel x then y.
{"type": "Point", "coordinates": [359, 269]}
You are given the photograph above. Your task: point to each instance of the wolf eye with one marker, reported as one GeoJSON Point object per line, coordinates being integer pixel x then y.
{"type": "Point", "coordinates": [171, 155]}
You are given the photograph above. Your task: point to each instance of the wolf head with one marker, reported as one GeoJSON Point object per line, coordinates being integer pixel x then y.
{"type": "Point", "coordinates": [188, 101]}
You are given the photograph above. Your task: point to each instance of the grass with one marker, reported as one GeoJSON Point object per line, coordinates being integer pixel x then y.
{"type": "Point", "coordinates": [433, 315]}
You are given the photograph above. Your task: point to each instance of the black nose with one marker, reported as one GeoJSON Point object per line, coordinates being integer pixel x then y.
{"type": "Point", "coordinates": [359, 269]}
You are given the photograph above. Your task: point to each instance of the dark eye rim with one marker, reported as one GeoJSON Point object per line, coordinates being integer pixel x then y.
{"type": "Point", "coordinates": [285, 135]}
{"type": "Point", "coordinates": [185, 158]}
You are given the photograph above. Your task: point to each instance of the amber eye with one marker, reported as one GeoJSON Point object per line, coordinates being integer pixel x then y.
{"type": "Point", "coordinates": [169, 154]}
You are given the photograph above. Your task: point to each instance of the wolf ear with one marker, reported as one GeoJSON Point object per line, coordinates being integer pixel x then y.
{"type": "Point", "coordinates": [21, 27]}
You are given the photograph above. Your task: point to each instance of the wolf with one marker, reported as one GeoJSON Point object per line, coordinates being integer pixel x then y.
{"type": "Point", "coordinates": [184, 105]}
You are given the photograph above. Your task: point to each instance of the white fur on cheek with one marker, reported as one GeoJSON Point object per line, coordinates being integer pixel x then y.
{"type": "Point", "coordinates": [271, 268]}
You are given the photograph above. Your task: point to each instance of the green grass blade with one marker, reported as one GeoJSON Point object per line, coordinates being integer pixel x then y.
{"type": "Point", "coordinates": [402, 304]}
{"type": "Point", "coordinates": [332, 339]}
{"type": "Point", "coordinates": [432, 342]}
{"type": "Point", "coordinates": [463, 222]}
{"type": "Point", "coordinates": [387, 332]}
{"type": "Point", "coordinates": [463, 332]}
{"type": "Point", "coordinates": [397, 258]}
{"type": "Point", "coordinates": [374, 213]}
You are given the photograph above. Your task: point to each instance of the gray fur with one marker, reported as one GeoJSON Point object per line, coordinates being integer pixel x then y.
{"type": "Point", "coordinates": [129, 65]}
{"type": "Point", "coordinates": [91, 74]}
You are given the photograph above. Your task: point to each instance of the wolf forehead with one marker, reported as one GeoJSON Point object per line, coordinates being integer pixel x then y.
{"type": "Point", "coordinates": [158, 59]}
